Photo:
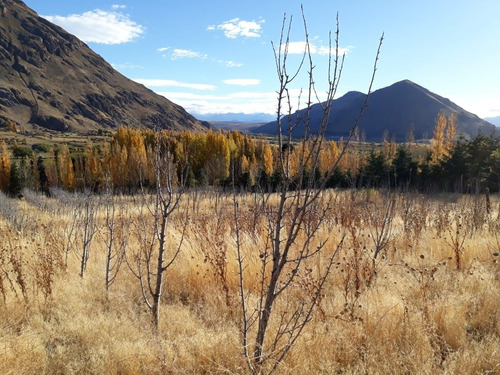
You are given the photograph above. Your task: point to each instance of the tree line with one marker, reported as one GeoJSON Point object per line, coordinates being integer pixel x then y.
{"type": "Point", "coordinates": [231, 158]}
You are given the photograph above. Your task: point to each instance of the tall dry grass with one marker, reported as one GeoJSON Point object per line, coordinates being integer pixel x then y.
{"type": "Point", "coordinates": [427, 304]}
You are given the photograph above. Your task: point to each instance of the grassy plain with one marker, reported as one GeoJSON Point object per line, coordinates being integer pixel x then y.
{"type": "Point", "coordinates": [428, 304]}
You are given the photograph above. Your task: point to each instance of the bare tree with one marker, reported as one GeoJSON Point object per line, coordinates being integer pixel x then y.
{"type": "Point", "coordinates": [380, 218]}
{"type": "Point", "coordinates": [151, 262]}
{"type": "Point", "coordinates": [115, 233]}
{"type": "Point", "coordinates": [87, 228]}
{"type": "Point", "coordinates": [82, 226]}
{"type": "Point", "coordinates": [69, 232]}
{"type": "Point", "coordinates": [293, 223]}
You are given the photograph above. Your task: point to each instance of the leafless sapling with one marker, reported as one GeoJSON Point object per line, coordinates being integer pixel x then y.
{"type": "Point", "coordinates": [114, 234]}
{"type": "Point", "coordinates": [150, 263]}
{"type": "Point", "coordinates": [294, 221]}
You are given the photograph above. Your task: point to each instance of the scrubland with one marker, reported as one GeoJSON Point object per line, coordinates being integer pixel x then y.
{"type": "Point", "coordinates": [427, 304]}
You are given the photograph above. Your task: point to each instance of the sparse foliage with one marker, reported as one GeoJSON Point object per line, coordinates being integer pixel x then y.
{"type": "Point", "coordinates": [151, 261]}
{"type": "Point", "coordinates": [295, 219]}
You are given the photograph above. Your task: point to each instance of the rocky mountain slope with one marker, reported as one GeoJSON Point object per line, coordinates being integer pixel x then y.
{"type": "Point", "coordinates": [49, 79]}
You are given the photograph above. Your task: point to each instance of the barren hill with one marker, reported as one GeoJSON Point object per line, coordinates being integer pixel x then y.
{"type": "Point", "coordinates": [49, 79]}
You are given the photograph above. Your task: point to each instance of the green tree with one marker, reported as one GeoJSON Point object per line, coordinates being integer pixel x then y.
{"type": "Point", "coordinates": [43, 179]}
{"type": "Point", "coordinates": [375, 172]}
{"type": "Point", "coordinates": [403, 168]}
{"type": "Point", "coordinates": [483, 163]}
{"type": "Point", "coordinates": [16, 182]}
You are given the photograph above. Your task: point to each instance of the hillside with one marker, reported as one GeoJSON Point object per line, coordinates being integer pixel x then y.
{"type": "Point", "coordinates": [396, 108]}
{"type": "Point", "coordinates": [49, 79]}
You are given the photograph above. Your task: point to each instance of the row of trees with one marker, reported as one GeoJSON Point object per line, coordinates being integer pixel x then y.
{"type": "Point", "coordinates": [470, 166]}
{"type": "Point", "coordinates": [223, 159]}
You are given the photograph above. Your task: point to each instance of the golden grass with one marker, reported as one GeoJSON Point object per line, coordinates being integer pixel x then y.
{"type": "Point", "coordinates": [418, 314]}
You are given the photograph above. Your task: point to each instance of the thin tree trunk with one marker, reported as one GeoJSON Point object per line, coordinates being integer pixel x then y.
{"type": "Point", "coordinates": [159, 272]}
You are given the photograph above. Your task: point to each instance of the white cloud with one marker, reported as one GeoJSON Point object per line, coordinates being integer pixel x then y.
{"type": "Point", "coordinates": [171, 83]}
{"type": "Point", "coordinates": [236, 27]}
{"type": "Point", "coordinates": [242, 82]}
{"type": "Point", "coordinates": [230, 63]}
{"type": "Point", "coordinates": [247, 102]}
{"type": "Point", "coordinates": [163, 49]}
{"type": "Point", "coordinates": [100, 26]}
{"type": "Point", "coordinates": [191, 96]}
{"type": "Point", "coordinates": [238, 102]}
{"type": "Point", "coordinates": [185, 53]}
{"type": "Point", "coordinates": [300, 47]}
{"type": "Point", "coordinates": [127, 66]}
{"type": "Point", "coordinates": [116, 6]}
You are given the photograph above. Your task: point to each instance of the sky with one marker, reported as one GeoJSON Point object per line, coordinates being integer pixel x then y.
{"type": "Point", "coordinates": [216, 56]}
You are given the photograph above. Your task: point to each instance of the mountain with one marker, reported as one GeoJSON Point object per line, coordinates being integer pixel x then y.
{"type": "Point", "coordinates": [235, 125]}
{"type": "Point", "coordinates": [493, 120]}
{"type": "Point", "coordinates": [49, 79]}
{"type": "Point", "coordinates": [236, 117]}
{"type": "Point", "coordinates": [396, 108]}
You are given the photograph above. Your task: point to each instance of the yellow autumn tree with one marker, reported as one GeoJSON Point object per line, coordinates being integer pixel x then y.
{"type": "Point", "coordinates": [445, 132]}
{"type": "Point", "coordinates": [137, 160]}
{"type": "Point", "coordinates": [93, 167]}
{"type": "Point", "coordinates": [50, 166]}
{"type": "Point", "coordinates": [65, 168]}
{"type": "Point", "coordinates": [218, 157]}
{"type": "Point", "coordinates": [450, 133]}
{"type": "Point", "coordinates": [267, 158]}
{"type": "Point", "coordinates": [328, 156]}
{"type": "Point", "coordinates": [118, 165]}
{"type": "Point", "coordinates": [5, 166]}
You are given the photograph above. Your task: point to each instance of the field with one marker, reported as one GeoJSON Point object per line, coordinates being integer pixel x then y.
{"type": "Point", "coordinates": [414, 287]}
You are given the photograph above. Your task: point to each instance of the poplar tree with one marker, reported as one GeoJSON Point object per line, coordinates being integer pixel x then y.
{"type": "Point", "coordinates": [438, 138]}
{"type": "Point", "coordinates": [5, 167]}
{"type": "Point", "coordinates": [65, 169]}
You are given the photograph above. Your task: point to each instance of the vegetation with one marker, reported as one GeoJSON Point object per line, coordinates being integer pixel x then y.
{"type": "Point", "coordinates": [224, 159]}
{"type": "Point", "coordinates": [428, 303]}
{"type": "Point", "coordinates": [167, 252]}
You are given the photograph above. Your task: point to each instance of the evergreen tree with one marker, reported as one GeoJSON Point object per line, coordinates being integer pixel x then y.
{"type": "Point", "coordinates": [375, 172]}
{"type": "Point", "coordinates": [44, 181]}
{"type": "Point", "coordinates": [16, 183]}
{"type": "Point", "coordinates": [404, 169]}
{"type": "Point", "coordinates": [455, 167]}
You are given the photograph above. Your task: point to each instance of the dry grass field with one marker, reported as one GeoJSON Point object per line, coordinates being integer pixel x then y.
{"type": "Point", "coordinates": [428, 303]}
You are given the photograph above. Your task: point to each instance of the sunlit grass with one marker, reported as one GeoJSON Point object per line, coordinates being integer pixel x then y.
{"type": "Point", "coordinates": [414, 313]}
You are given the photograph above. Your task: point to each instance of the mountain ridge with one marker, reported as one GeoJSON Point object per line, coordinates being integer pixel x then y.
{"type": "Point", "coordinates": [397, 108]}
{"type": "Point", "coordinates": [51, 80]}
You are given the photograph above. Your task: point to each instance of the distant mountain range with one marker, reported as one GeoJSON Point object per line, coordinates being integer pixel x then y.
{"type": "Point", "coordinates": [397, 108]}
{"type": "Point", "coordinates": [49, 79]}
{"type": "Point", "coordinates": [236, 117]}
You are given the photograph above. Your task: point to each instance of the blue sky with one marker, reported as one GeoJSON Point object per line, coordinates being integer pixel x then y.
{"type": "Point", "coordinates": [216, 56]}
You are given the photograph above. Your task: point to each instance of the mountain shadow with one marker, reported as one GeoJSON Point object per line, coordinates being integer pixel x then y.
{"type": "Point", "coordinates": [397, 109]}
